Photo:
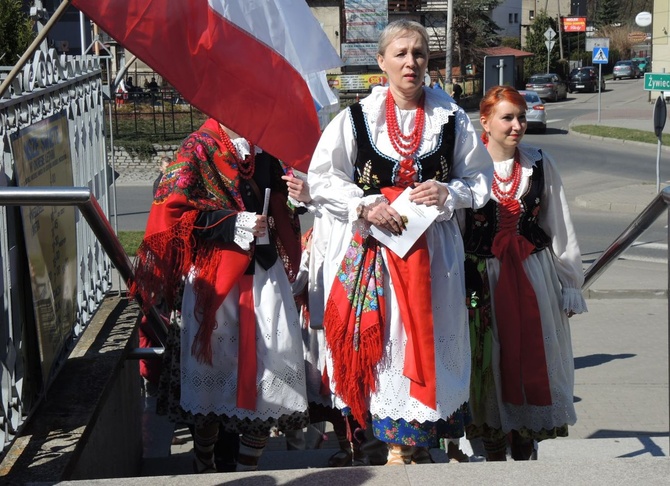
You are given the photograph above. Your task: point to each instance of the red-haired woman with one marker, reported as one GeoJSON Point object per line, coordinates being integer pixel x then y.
{"type": "Point", "coordinates": [523, 277]}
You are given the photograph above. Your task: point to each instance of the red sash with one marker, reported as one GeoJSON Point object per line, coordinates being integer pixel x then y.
{"type": "Point", "coordinates": [523, 364]}
{"type": "Point", "coordinates": [412, 284]}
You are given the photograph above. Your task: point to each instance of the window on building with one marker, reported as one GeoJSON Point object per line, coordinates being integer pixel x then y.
{"type": "Point", "coordinates": [516, 18]}
{"type": "Point", "coordinates": [510, 18]}
{"type": "Point", "coordinates": [531, 14]}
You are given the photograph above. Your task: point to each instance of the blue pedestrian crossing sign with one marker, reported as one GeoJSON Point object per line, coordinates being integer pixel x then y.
{"type": "Point", "coordinates": [600, 55]}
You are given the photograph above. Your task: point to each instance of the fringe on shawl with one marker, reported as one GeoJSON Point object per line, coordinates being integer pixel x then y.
{"type": "Point", "coordinates": [354, 333]}
{"type": "Point", "coordinates": [162, 262]}
{"type": "Point", "coordinates": [207, 301]}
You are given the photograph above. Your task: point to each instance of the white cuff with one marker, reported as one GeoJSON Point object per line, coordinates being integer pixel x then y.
{"type": "Point", "coordinates": [244, 229]}
{"type": "Point", "coordinates": [573, 301]}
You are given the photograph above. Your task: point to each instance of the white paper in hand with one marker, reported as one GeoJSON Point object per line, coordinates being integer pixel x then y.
{"type": "Point", "coordinates": [265, 240]}
{"type": "Point", "coordinates": [417, 219]}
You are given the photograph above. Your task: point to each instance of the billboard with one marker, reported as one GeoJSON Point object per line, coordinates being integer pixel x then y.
{"type": "Point", "coordinates": [359, 54]}
{"type": "Point", "coordinates": [574, 24]}
{"type": "Point", "coordinates": [365, 19]}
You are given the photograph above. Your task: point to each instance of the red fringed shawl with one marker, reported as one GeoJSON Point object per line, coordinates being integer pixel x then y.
{"type": "Point", "coordinates": [204, 177]}
{"type": "Point", "coordinates": [355, 314]}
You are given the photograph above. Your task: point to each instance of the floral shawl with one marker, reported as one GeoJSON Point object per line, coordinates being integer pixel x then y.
{"type": "Point", "coordinates": [204, 177]}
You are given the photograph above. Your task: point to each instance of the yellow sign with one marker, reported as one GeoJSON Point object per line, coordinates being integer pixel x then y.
{"type": "Point", "coordinates": [42, 158]}
{"type": "Point", "coordinates": [357, 82]}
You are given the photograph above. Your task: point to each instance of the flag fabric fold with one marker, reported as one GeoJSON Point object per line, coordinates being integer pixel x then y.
{"type": "Point", "coordinates": [255, 66]}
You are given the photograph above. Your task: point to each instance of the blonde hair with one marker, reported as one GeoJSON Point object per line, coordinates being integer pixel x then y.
{"type": "Point", "coordinates": [396, 29]}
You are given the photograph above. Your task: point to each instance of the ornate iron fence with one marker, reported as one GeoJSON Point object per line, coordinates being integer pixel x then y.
{"type": "Point", "coordinates": [70, 90]}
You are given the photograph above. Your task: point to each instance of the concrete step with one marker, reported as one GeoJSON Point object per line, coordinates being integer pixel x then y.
{"type": "Point", "coordinates": [277, 458]}
{"type": "Point", "coordinates": [641, 460]}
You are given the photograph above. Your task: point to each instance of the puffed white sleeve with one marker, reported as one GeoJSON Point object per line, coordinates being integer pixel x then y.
{"type": "Point", "coordinates": [472, 172]}
{"type": "Point", "coordinates": [555, 220]}
{"type": "Point", "coordinates": [331, 171]}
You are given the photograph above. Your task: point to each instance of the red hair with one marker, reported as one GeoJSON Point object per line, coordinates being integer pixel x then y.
{"type": "Point", "coordinates": [495, 95]}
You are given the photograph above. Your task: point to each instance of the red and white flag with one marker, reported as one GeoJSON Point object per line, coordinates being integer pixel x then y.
{"type": "Point", "coordinates": [243, 62]}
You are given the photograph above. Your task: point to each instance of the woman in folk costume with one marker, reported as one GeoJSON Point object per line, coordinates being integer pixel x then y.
{"type": "Point", "coordinates": [234, 359]}
{"type": "Point", "coordinates": [397, 328]}
{"type": "Point", "coordinates": [524, 276]}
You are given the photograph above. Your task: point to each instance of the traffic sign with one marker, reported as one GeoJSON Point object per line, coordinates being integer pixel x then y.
{"type": "Point", "coordinates": [657, 81]}
{"type": "Point", "coordinates": [660, 115]}
{"type": "Point", "coordinates": [594, 42]}
{"type": "Point", "coordinates": [549, 34]}
{"type": "Point", "coordinates": [549, 44]}
{"type": "Point", "coordinates": [600, 55]}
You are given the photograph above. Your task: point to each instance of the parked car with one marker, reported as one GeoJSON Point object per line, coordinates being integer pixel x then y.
{"type": "Point", "coordinates": [643, 63]}
{"type": "Point", "coordinates": [585, 79]}
{"type": "Point", "coordinates": [536, 114]}
{"type": "Point", "coordinates": [626, 69]}
{"type": "Point", "coordinates": [548, 86]}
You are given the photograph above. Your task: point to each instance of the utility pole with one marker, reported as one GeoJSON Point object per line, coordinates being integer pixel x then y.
{"type": "Point", "coordinates": [560, 29]}
{"type": "Point", "coordinates": [449, 43]}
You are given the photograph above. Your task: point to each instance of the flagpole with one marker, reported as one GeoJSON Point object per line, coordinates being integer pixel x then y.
{"type": "Point", "coordinates": [41, 35]}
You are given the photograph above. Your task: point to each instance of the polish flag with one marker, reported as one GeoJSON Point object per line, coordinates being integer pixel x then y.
{"type": "Point", "coordinates": [247, 63]}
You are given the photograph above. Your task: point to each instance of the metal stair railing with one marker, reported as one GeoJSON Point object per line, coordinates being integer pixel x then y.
{"type": "Point", "coordinates": [83, 198]}
{"type": "Point", "coordinates": [639, 225]}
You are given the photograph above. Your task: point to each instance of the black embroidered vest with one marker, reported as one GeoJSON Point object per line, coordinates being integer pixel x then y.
{"type": "Point", "coordinates": [482, 224]}
{"type": "Point", "coordinates": [374, 170]}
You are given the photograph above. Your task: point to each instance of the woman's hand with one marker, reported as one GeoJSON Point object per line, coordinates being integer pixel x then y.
{"type": "Point", "coordinates": [297, 188]}
{"type": "Point", "coordinates": [429, 193]}
{"type": "Point", "coordinates": [261, 226]}
{"type": "Point", "coordinates": [384, 216]}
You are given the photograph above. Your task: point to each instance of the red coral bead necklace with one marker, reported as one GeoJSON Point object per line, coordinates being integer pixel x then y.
{"type": "Point", "coordinates": [405, 145]}
{"type": "Point", "coordinates": [514, 178]}
{"type": "Point", "coordinates": [246, 166]}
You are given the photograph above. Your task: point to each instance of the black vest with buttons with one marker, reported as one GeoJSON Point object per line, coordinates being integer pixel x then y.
{"type": "Point", "coordinates": [482, 224]}
{"type": "Point", "coordinates": [267, 174]}
{"type": "Point", "coordinates": [374, 170]}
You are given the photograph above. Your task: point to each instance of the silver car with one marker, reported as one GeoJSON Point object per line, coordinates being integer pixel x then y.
{"type": "Point", "coordinates": [536, 114]}
{"type": "Point", "coordinates": [626, 69]}
{"type": "Point", "coordinates": [548, 86]}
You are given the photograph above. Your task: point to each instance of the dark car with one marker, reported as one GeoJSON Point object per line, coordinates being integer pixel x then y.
{"type": "Point", "coordinates": [548, 86]}
{"type": "Point", "coordinates": [626, 69]}
{"type": "Point", "coordinates": [585, 79]}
